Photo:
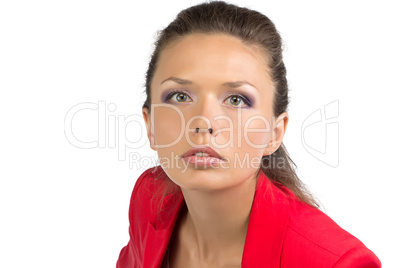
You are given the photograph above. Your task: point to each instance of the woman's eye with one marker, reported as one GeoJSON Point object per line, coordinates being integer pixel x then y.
{"type": "Point", "coordinates": [234, 100]}
{"type": "Point", "coordinates": [237, 101]}
{"type": "Point", "coordinates": [179, 96]}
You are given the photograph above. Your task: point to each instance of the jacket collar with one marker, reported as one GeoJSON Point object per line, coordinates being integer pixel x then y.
{"type": "Point", "coordinates": [267, 226]}
{"type": "Point", "coordinates": [265, 234]}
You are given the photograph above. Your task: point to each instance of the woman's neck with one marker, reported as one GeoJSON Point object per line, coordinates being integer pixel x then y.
{"type": "Point", "coordinates": [215, 223]}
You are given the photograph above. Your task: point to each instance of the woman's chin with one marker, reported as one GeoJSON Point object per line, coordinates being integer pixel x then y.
{"type": "Point", "coordinates": [210, 179]}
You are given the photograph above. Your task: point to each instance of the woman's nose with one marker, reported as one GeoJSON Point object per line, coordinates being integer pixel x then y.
{"type": "Point", "coordinates": [198, 130]}
{"type": "Point", "coordinates": [202, 118]}
{"type": "Point", "coordinates": [207, 106]}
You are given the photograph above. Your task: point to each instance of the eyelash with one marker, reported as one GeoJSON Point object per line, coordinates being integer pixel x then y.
{"type": "Point", "coordinates": [243, 98]}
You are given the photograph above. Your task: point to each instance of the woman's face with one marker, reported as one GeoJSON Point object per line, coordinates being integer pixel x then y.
{"type": "Point", "coordinates": [212, 81]}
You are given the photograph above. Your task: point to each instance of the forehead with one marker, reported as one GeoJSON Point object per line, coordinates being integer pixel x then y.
{"type": "Point", "coordinates": [213, 55]}
{"type": "Point", "coordinates": [203, 47]}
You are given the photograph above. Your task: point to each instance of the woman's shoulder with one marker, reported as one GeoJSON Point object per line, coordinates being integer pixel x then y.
{"type": "Point", "coordinates": [316, 238]}
{"type": "Point", "coordinates": [143, 186]}
{"type": "Point", "coordinates": [146, 188]}
{"type": "Point", "coordinates": [146, 182]}
{"type": "Point", "coordinates": [153, 192]}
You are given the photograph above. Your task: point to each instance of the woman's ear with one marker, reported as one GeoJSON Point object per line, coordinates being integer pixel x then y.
{"type": "Point", "coordinates": [278, 132]}
{"type": "Point", "coordinates": [148, 124]}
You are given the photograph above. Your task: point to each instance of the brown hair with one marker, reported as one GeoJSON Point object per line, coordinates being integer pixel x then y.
{"type": "Point", "coordinates": [253, 28]}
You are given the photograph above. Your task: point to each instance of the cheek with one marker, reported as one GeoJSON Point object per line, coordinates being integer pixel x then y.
{"type": "Point", "coordinates": [256, 133]}
{"type": "Point", "coordinates": [168, 125]}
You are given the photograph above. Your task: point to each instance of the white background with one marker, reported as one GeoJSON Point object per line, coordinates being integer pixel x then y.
{"type": "Point", "coordinates": [64, 206]}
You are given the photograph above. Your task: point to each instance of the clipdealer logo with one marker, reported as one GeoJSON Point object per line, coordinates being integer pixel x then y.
{"type": "Point", "coordinates": [319, 132]}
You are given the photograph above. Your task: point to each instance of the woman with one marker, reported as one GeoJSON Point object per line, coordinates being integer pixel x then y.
{"type": "Point", "coordinates": [225, 193]}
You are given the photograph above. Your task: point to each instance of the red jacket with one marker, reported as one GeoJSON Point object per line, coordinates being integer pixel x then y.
{"type": "Point", "coordinates": [282, 232]}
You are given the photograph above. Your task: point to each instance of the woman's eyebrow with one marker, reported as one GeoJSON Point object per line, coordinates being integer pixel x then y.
{"type": "Point", "coordinates": [234, 84]}
{"type": "Point", "coordinates": [237, 84]}
{"type": "Point", "coordinates": [178, 81]}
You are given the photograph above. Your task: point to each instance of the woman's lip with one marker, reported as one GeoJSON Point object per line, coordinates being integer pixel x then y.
{"type": "Point", "coordinates": [203, 161]}
{"type": "Point", "coordinates": [202, 149]}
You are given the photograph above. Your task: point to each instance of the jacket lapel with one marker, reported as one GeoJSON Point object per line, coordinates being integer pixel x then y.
{"type": "Point", "coordinates": [158, 233]}
{"type": "Point", "coordinates": [267, 226]}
